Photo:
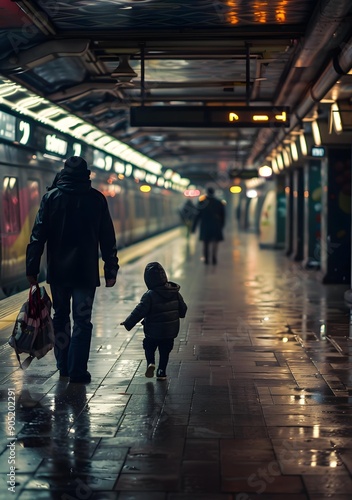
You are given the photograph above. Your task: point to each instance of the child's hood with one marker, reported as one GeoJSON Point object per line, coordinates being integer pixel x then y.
{"type": "Point", "coordinates": [154, 275]}
{"type": "Point", "coordinates": [155, 278]}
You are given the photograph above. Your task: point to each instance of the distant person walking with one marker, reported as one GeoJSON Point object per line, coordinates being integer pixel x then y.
{"type": "Point", "coordinates": [74, 221]}
{"type": "Point", "coordinates": [211, 219]}
{"type": "Point", "coordinates": [187, 214]}
{"type": "Point", "coordinates": [160, 308]}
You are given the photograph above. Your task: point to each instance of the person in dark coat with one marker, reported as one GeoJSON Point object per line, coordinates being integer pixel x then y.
{"type": "Point", "coordinates": [160, 308]}
{"type": "Point", "coordinates": [74, 222]}
{"type": "Point", "coordinates": [211, 218]}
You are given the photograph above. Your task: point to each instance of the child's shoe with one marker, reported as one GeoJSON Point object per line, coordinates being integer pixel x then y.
{"type": "Point", "coordinates": [150, 370]}
{"type": "Point", "coordinates": [160, 374]}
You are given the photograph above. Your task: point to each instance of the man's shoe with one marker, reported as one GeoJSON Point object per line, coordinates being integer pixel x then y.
{"type": "Point", "coordinates": [161, 375]}
{"type": "Point", "coordinates": [150, 370]}
{"type": "Point", "coordinates": [85, 379]}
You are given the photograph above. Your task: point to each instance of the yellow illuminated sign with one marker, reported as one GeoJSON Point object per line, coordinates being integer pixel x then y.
{"type": "Point", "coordinates": [209, 116]}
{"type": "Point", "coordinates": [282, 117]}
{"type": "Point", "coordinates": [233, 117]}
{"type": "Point", "coordinates": [248, 115]}
{"type": "Point", "coordinates": [260, 118]}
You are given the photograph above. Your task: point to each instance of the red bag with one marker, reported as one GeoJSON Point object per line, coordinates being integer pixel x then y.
{"type": "Point", "coordinates": [33, 332]}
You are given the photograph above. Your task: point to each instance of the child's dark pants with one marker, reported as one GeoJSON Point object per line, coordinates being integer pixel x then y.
{"type": "Point", "coordinates": [165, 347]}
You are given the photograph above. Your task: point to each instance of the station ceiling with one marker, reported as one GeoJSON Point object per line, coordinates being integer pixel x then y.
{"type": "Point", "coordinates": [99, 58]}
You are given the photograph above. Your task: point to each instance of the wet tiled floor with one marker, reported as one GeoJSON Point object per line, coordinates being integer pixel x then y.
{"type": "Point", "coordinates": [257, 403]}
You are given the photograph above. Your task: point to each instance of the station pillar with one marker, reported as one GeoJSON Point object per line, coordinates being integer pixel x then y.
{"type": "Point", "coordinates": [289, 212]}
{"type": "Point", "coordinates": [297, 215]}
{"type": "Point", "coordinates": [335, 251]}
{"type": "Point", "coordinates": [281, 212]}
{"type": "Point", "coordinates": [312, 213]}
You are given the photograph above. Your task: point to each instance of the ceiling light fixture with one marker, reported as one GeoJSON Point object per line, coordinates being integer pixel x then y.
{"type": "Point", "coordinates": [275, 166]}
{"type": "Point", "coordinates": [303, 144]}
{"type": "Point", "coordinates": [280, 161]}
{"type": "Point", "coordinates": [286, 158]}
{"type": "Point", "coordinates": [265, 171]}
{"type": "Point", "coordinates": [294, 151]}
{"type": "Point", "coordinates": [316, 133]}
{"type": "Point", "coordinates": [335, 119]}
{"type": "Point", "coordinates": [124, 73]}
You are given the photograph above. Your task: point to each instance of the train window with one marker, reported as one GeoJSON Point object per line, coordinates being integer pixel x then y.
{"type": "Point", "coordinates": [10, 205]}
{"type": "Point", "coordinates": [33, 200]}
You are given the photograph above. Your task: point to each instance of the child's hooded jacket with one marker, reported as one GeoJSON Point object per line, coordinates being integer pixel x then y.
{"type": "Point", "coordinates": [161, 307]}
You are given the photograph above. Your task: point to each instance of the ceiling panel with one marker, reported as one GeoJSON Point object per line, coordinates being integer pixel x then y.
{"type": "Point", "coordinates": [222, 52]}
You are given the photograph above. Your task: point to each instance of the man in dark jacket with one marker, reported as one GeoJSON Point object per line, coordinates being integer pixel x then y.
{"type": "Point", "coordinates": [74, 221]}
{"type": "Point", "coordinates": [211, 216]}
{"type": "Point", "coordinates": [161, 308]}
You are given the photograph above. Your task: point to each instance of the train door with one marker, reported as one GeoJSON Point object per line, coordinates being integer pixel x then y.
{"type": "Point", "coordinates": [165, 207]}
{"type": "Point", "coordinates": [113, 197]}
{"type": "Point", "coordinates": [119, 218]}
{"type": "Point", "coordinates": [156, 216]}
{"type": "Point", "coordinates": [128, 208]}
{"type": "Point", "coordinates": [141, 227]}
{"type": "Point", "coordinates": [33, 202]}
{"type": "Point", "coordinates": [10, 230]}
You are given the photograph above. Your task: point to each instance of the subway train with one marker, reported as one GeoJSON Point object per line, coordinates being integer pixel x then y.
{"type": "Point", "coordinates": [27, 170]}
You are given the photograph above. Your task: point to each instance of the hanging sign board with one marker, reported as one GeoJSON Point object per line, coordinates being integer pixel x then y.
{"type": "Point", "coordinates": [209, 116]}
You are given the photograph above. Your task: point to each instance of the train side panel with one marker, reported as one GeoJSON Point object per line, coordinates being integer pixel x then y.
{"type": "Point", "coordinates": [24, 180]}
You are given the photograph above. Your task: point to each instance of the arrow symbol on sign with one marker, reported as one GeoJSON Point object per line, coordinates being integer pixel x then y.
{"type": "Point", "coordinates": [281, 117]}
{"type": "Point", "coordinates": [233, 117]}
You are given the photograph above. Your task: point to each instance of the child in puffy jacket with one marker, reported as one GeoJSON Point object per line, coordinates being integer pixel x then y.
{"type": "Point", "coordinates": [160, 308]}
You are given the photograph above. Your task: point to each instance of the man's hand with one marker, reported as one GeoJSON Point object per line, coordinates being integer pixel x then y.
{"type": "Point", "coordinates": [32, 280]}
{"type": "Point", "coordinates": [109, 283]}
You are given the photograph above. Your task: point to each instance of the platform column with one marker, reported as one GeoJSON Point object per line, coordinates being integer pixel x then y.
{"type": "Point", "coordinates": [336, 216]}
{"type": "Point", "coordinates": [289, 212]}
{"type": "Point", "coordinates": [312, 213]}
{"type": "Point", "coordinates": [281, 212]}
{"type": "Point", "coordinates": [297, 215]}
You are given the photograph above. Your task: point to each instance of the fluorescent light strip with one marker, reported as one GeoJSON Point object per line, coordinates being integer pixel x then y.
{"type": "Point", "coordinates": [336, 118]}
{"type": "Point", "coordinates": [275, 166]}
{"type": "Point", "coordinates": [294, 151]}
{"type": "Point", "coordinates": [303, 144]}
{"type": "Point", "coordinates": [316, 133]}
{"type": "Point", "coordinates": [29, 100]}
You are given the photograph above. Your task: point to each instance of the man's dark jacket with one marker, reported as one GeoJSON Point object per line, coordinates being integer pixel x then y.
{"type": "Point", "coordinates": [211, 216]}
{"type": "Point", "coordinates": [74, 220]}
{"type": "Point", "coordinates": [161, 307]}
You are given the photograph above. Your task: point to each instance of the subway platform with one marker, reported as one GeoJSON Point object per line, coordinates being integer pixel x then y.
{"type": "Point", "coordinates": [257, 403]}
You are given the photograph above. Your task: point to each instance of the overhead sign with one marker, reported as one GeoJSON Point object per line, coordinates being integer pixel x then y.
{"type": "Point", "coordinates": [242, 173]}
{"type": "Point", "coordinates": [54, 144]}
{"type": "Point", "coordinates": [318, 151]}
{"type": "Point", "coordinates": [209, 116]}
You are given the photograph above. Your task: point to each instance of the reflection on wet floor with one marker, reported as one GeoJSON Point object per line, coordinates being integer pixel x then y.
{"type": "Point", "coordinates": [257, 403]}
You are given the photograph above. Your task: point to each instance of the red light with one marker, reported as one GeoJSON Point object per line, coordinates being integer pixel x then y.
{"type": "Point", "coordinates": [190, 193]}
